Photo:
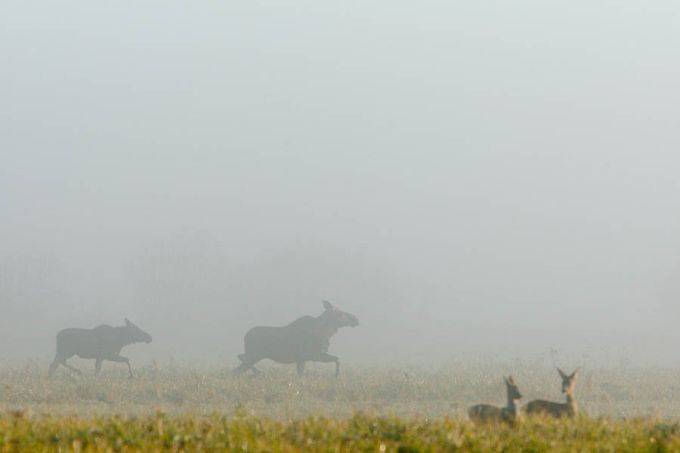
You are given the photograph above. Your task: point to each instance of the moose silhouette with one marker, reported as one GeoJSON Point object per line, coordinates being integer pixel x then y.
{"type": "Point", "coordinates": [101, 343]}
{"type": "Point", "coordinates": [304, 340]}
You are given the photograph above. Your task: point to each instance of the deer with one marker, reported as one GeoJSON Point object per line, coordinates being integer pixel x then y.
{"type": "Point", "coordinates": [486, 413]}
{"type": "Point", "coordinates": [558, 410]}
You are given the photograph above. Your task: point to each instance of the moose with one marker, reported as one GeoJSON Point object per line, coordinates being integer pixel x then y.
{"type": "Point", "coordinates": [101, 343]}
{"type": "Point", "coordinates": [305, 339]}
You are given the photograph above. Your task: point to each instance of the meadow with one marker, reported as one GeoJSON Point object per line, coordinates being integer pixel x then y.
{"type": "Point", "coordinates": [180, 407]}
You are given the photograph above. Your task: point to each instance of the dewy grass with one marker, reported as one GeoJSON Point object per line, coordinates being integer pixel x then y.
{"type": "Point", "coordinates": [366, 409]}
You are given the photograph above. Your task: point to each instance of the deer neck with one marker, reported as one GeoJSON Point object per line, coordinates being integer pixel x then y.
{"type": "Point", "coordinates": [571, 404]}
{"type": "Point", "coordinates": [512, 406]}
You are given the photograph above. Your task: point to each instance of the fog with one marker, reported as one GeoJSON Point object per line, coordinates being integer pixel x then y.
{"type": "Point", "coordinates": [471, 179]}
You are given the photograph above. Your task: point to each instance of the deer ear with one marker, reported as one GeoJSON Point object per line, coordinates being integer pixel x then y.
{"type": "Point", "coordinates": [575, 373]}
{"type": "Point", "coordinates": [127, 322]}
{"type": "Point", "coordinates": [506, 380]}
{"type": "Point", "coordinates": [327, 305]}
{"type": "Point", "coordinates": [510, 380]}
{"type": "Point", "coordinates": [562, 373]}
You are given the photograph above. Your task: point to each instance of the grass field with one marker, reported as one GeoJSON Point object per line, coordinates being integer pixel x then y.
{"type": "Point", "coordinates": [366, 409]}
{"type": "Point", "coordinates": [358, 433]}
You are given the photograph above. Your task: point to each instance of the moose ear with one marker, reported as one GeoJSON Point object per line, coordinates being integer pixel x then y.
{"type": "Point", "coordinates": [327, 305]}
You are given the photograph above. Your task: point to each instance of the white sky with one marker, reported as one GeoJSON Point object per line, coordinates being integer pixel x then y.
{"type": "Point", "coordinates": [478, 176]}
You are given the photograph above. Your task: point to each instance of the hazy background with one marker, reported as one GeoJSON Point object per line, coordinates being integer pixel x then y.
{"type": "Point", "coordinates": [467, 177]}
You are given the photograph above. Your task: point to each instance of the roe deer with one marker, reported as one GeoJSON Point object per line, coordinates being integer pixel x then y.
{"type": "Point", "coordinates": [487, 413]}
{"type": "Point", "coordinates": [568, 409]}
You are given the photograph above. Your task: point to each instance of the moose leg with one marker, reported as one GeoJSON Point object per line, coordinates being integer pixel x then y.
{"type": "Point", "coordinates": [53, 367]}
{"type": "Point", "coordinates": [241, 369]}
{"type": "Point", "coordinates": [247, 363]}
{"type": "Point", "coordinates": [327, 358]}
{"type": "Point", "coordinates": [97, 367]}
{"type": "Point", "coordinates": [61, 360]}
{"type": "Point", "coordinates": [72, 368]}
{"type": "Point", "coordinates": [121, 359]}
{"type": "Point", "coordinates": [245, 366]}
{"type": "Point", "coordinates": [300, 368]}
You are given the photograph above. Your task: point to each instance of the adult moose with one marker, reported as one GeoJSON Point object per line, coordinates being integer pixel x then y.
{"type": "Point", "coordinates": [304, 340]}
{"type": "Point", "coordinates": [101, 343]}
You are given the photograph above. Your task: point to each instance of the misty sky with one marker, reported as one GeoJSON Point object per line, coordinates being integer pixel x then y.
{"type": "Point", "coordinates": [466, 177]}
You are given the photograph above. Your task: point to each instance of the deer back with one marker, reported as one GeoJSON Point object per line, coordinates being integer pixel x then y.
{"type": "Point", "coordinates": [550, 408]}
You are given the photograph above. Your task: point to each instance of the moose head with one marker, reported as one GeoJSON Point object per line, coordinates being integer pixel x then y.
{"type": "Point", "coordinates": [340, 318]}
{"type": "Point", "coordinates": [137, 334]}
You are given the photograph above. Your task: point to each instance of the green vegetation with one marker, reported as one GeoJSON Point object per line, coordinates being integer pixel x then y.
{"type": "Point", "coordinates": [359, 433]}
{"type": "Point", "coordinates": [366, 409]}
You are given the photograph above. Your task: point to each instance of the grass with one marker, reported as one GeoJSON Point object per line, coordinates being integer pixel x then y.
{"type": "Point", "coordinates": [240, 432]}
{"type": "Point", "coordinates": [366, 409]}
